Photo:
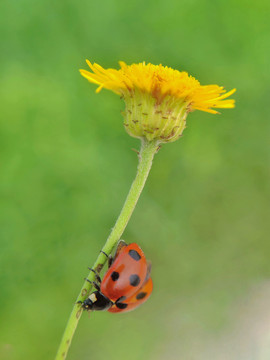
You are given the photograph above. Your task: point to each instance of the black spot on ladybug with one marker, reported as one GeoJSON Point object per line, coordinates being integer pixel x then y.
{"type": "Point", "coordinates": [134, 280]}
{"type": "Point", "coordinates": [141, 295]}
{"type": "Point", "coordinates": [115, 276]}
{"type": "Point", "coordinates": [121, 306]}
{"type": "Point", "coordinates": [122, 298]}
{"type": "Point", "coordinates": [135, 255]}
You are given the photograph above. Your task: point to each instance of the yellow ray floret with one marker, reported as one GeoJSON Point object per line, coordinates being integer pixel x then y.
{"type": "Point", "coordinates": [159, 82]}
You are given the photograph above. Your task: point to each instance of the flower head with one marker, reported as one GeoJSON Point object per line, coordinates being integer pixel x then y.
{"type": "Point", "coordinates": [158, 99]}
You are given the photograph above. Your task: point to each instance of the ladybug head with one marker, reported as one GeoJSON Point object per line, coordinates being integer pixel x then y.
{"type": "Point", "coordinates": [97, 301]}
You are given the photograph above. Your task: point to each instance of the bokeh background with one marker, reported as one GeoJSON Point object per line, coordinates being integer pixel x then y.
{"type": "Point", "coordinates": [67, 164]}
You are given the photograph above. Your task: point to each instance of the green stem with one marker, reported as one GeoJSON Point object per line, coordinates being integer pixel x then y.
{"type": "Point", "coordinates": [147, 152]}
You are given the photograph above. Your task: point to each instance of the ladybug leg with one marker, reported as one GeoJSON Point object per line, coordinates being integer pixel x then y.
{"type": "Point", "coordinates": [96, 274]}
{"type": "Point", "coordinates": [96, 286]}
{"type": "Point", "coordinates": [110, 261]}
{"type": "Point", "coordinates": [110, 258]}
{"type": "Point", "coordinates": [104, 253]}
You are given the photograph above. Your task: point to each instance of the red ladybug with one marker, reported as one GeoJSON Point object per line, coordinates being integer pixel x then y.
{"type": "Point", "coordinates": [126, 284]}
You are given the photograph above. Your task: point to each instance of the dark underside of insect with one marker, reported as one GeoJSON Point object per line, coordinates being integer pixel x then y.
{"type": "Point", "coordinates": [126, 284]}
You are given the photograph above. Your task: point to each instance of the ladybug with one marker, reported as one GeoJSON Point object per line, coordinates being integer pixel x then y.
{"type": "Point", "coordinates": [126, 284]}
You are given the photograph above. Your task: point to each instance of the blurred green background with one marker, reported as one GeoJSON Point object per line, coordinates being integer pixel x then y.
{"type": "Point", "coordinates": [67, 164]}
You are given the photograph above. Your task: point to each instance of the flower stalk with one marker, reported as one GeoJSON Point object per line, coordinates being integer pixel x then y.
{"type": "Point", "coordinates": [146, 155]}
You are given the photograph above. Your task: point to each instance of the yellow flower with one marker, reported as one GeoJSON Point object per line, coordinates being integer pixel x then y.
{"type": "Point", "coordinates": [157, 98]}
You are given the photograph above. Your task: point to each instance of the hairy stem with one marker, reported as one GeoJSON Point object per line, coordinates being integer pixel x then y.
{"type": "Point", "coordinates": [146, 155]}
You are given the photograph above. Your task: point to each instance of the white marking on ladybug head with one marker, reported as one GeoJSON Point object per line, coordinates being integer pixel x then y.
{"type": "Point", "coordinates": [93, 297]}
